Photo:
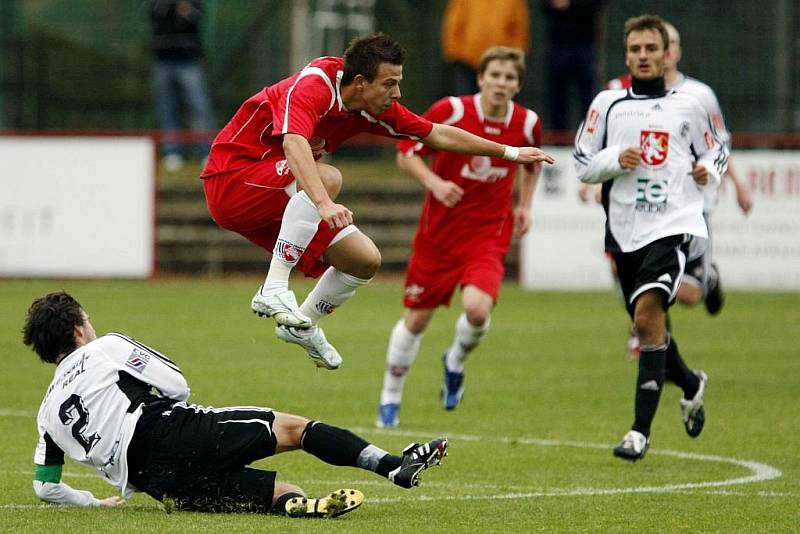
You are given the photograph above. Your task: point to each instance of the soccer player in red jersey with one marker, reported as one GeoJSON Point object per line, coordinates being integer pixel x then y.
{"type": "Point", "coordinates": [466, 225]}
{"type": "Point", "coordinates": [263, 179]}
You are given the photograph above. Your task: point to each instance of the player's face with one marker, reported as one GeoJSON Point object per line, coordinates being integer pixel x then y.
{"type": "Point", "coordinates": [645, 54]}
{"type": "Point", "coordinates": [379, 94]}
{"type": "Point", "coordinates": [499, 82]}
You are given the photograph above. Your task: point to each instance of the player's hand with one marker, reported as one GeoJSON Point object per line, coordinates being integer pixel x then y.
{"type": "Point", "coordinates": [112, 502]}
{"type": "Point", "coordinates": [335, 215]}
{"type": "Point", "coordinates": [522, 221]}
{"type": "Point", "coordinates": [447, 192]}
{"type": "Point", "coordinates": [630, 157]}
{"type": "Point", "coordinates": [531, 154]}
{"type": "Point", "coordinates": [700, 174]}
{"type": "Point", "coordinates": [744, 198]}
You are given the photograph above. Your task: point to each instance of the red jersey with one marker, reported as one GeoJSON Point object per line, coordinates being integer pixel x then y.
{"type": "Point", "coordinates": [308, 103]}
{"type": "Point", "coordinates": [485, 212]}
{"type": "Point", "coordinates": [620, 82]}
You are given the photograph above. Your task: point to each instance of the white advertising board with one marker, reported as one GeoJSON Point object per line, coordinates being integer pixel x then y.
{"type": "Point", "coordinates": [564, 249]}
{"type": "Point", "coordinates": [77, 206]}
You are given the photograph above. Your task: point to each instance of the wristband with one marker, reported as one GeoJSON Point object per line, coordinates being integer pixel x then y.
{"type": "Point", "coordinates": [510, 153]}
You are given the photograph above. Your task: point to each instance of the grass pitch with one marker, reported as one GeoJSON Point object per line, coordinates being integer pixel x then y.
{"type": "Point", "coordinates": [547, 395]}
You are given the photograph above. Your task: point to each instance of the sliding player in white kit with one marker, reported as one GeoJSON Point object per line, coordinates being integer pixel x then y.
{"type": "Point", "coordinates": [655, 151]}
{"type": "Point", "coordinates": [102, 411]}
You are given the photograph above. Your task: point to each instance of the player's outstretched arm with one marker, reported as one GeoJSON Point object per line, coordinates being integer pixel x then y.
{"type": "Point", "coordinates": [447, 192]}
{"type": "Point", "coordinates": [453, 139]}
{"type": "Point", "coordinates": [48, 487]}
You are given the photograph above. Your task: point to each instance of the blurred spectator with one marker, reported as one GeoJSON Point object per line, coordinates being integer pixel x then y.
{"type": "Point", "coordinates": [179, 75]}
{"type": "Point", "coordinates": [471, 26]}
{"type": "Point", "coordinates": [571, 48]}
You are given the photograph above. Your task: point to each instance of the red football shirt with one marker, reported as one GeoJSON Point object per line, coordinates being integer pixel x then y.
{"type": "Point", "coordinates": [308, 103]}
{"type": "Point", "coordinates": [485, 213]}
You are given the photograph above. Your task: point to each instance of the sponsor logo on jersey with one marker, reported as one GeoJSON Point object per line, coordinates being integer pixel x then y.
{"type": "Point", "coordinates": [325, 308]}
{"type": "Point", "coordinates": [282, 167]}
{"type": "Point", "coordinates": [138, 360]}
{"type": "Point", "coordinates": [287, 251]}
{"type": "Point", "coordinates": [414, 292]}
{"type": "Point", "coordinates": [657, 107]}
{"type": "Point", "coordinates": [651, 195]}
{"type": "Point", "coordinates": [591, 122]}
{"type": "Point", "coordinates": [655, 147]}
{"type": "Point", "coordinates": [492, 130]}
{"type": "Point", "coordinates": [480, 168]}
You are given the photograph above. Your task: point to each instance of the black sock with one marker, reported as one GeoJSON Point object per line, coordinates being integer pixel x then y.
{"type": "Point", "coordinates": [648, 386]}
{"type": "Point", "coordinates": [388, 463]}
{"type": "Point", "coordinates": [332, 445]}
{"type": "Point", "coordinates": [677, 372]}
{"type": "Point", "coordinates": [279, 507]}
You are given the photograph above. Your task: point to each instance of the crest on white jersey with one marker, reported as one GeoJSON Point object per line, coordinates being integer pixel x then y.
{"type": "Point", "coordinates": [655, 147]}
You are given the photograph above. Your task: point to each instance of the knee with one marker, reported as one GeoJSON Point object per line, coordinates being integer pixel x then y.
{"type": "Point", "coordinates": [416, 322]}
{"type": "Point", "coordinates": [368, 263]}
{"type": "Point", "coordinates": [331, 179]}
{"type": "Point", "coordinates": [478, 313]}
{"type": "Point", "coordinates": [289, 430]}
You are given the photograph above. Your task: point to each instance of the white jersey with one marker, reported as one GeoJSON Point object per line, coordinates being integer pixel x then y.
{"type": "Point", "coordinates": [95, 399]}
{"type": "Point", "coordinates": [708, 99]}
{"type": "Point", "coordinates": [659, 198]}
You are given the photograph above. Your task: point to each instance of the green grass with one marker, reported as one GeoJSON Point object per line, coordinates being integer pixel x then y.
{"type": "Point", "coordinates": [552, 370]}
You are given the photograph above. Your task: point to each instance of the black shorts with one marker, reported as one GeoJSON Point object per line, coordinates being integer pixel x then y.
{"type": "Point", "coordinates": [658, 265]}
{"type": "Point", "coordinates": [196, 456]}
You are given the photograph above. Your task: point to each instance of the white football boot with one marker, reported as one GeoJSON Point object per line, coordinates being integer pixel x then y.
{"type": "Point", "coordinates": [322, 353]}
{"type": "Point", "coordinates": [281, 306]}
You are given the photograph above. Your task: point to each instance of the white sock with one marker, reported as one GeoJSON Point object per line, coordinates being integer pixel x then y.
{"type": "Point", "coordinates": [298, 227]}
{"type": "Point", "coordinates": [402, 351]}
{"type": "Point", "coordinates": [467, 338]}
{"type": "Point", "coordinates": [333, 289]}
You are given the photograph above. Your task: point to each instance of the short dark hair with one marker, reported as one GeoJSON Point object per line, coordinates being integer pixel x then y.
{"type": "Point", "coordinates": [646, 22]}
{"type": "Point", "coordinates": [50, 325]}
{"type": "Point", "coordinates": [365, 54]}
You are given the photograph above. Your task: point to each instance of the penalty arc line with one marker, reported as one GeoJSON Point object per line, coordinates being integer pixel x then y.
{"type": "Point", "coordinates": [760, 472]}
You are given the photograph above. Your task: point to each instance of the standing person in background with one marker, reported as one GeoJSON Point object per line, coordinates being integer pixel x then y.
{"type": "Point", "coordinates": [466, 225]}
{"type": "Point", "coordinates": [655, 151]}
{"type": "Point", "coordinates": [264, 181]}
{"type": "Point", "coordinates": [572, 43]}
{"type": "Point", "coordinates": [470, 27]}
{"type": "Point", "coordinates": [178, 74]}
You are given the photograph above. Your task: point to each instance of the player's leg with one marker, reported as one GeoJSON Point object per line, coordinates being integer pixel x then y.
{"type": "Point", "coordinates": [298, 226]}
{"type": "Point", "coordinates": [470, 329]}
{"type": "Point", "coordinates": [354, 260]}
{"type": "Point", "coordinates": [694, 280]}
{"type": "Point", "coordinates": [650, 278]}
{"type": "Point", "coordinates": [403, 348]}
{"type": "Point", "coordinates": [480, 286]}
{"type": "Point", "coordinates": [341, 447]}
